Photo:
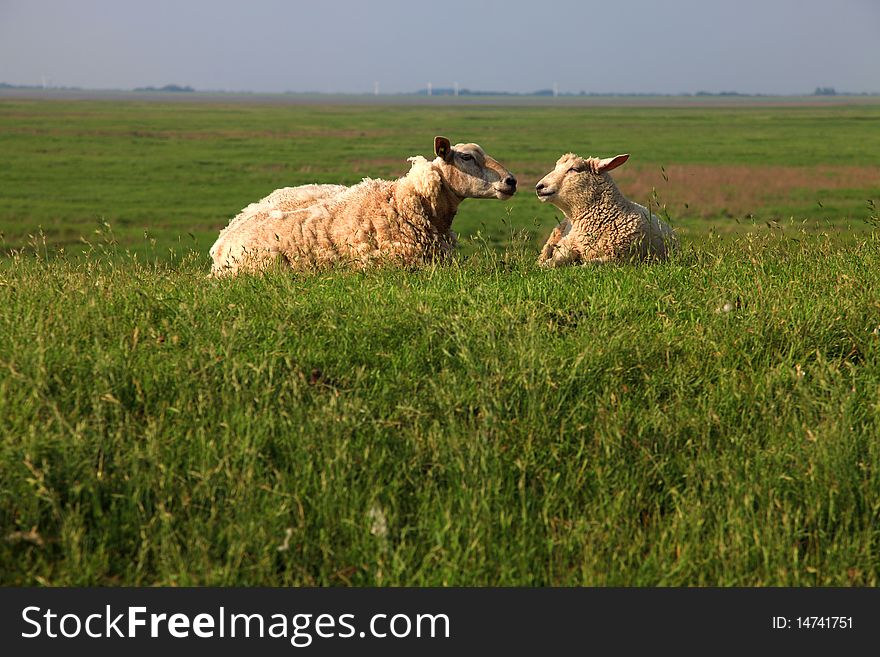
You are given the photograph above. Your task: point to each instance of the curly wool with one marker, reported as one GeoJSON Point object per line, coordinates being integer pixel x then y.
{"type": "Point", "coordinates": [285, 199]}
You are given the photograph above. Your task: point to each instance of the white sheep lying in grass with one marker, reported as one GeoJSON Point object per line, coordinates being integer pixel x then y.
{"type": "Point", "coordinates": [601, 224]}
{"type": "Point", "coordinates": [407, 221]}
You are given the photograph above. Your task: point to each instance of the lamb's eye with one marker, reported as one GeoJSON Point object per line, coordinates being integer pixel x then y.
{"type": "Point", "coordinates": [466, 157]}
{"type": "Point", "coordinates": [575, 170]}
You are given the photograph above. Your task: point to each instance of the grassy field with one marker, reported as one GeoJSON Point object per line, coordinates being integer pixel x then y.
{"type": "Point", "coordinates": [712, 420]}
{"type": "Point", "coordinates": [177, 172]}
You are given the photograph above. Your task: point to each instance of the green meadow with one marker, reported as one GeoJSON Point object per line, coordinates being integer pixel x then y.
{"type": "Point", "coordinates": [711, 420]}
{"type": "Point", "coordinates": [177, 172]}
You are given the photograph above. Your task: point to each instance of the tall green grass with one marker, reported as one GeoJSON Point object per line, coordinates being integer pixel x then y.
{"type": "Point", "coordinates": [712, 420]}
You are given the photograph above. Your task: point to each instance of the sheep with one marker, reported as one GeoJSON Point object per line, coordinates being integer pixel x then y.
{"type": "Point", "coordinates": [406, 221]}
{"type": "Point", "coordinates": [601, 225]}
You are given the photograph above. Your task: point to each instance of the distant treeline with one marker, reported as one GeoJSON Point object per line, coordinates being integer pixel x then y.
{"type": "Point", "coordinates": [449, 91]}
{"type": "Point", "coordinates": [167, 87]}
{"type": "Point", "coordinates": [4, 85]}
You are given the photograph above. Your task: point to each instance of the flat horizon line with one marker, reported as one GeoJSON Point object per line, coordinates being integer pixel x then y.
{"type": "Point", "coordinates": [444, 91]}
{"type": "Point", "coordinates": [417, 100]}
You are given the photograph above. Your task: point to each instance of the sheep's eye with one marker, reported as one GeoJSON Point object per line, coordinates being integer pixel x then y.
{"type": "Point", "coordinates": [575, 169]}
{"type": "Point", "coordinates": [466, 157]}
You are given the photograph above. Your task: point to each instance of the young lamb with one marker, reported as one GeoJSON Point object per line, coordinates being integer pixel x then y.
{"type": "Point", "coordinates": [601, 224]}
{"type": "Point", "coordinates": [407, 221]}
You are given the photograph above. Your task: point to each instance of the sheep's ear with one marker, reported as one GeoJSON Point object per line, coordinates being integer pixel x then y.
{"type": "Point", "coordinates": [442, 148]}
{"type": "Point", "coordinates": [612, 162]}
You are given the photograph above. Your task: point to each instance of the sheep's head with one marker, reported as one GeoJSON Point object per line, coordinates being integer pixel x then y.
{"type": "Point", "coordinates": [576, 178]}
{"type": "Point", "coordinates": [470, 173]}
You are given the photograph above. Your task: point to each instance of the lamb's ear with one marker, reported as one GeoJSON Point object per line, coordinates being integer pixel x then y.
{"type": "Point", "coordinates": [442, 148]}
{"type": "Point", "coordinates": [612, 162]}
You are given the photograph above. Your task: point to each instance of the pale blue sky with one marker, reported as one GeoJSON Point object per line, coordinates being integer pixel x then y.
{"type": "Point", "coordinates": [619, 46]}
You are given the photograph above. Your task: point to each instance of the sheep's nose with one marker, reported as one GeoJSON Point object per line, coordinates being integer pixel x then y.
{"type": "Point", "coordinates": [539, 187]}
{"type": "Point", "coordinates": [510, 181]}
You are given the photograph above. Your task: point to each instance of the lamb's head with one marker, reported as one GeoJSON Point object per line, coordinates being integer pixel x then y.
{"type": "Point", "coordinates": [470, 173]}
{"type": "Point", "coordinates": [576, 178]}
